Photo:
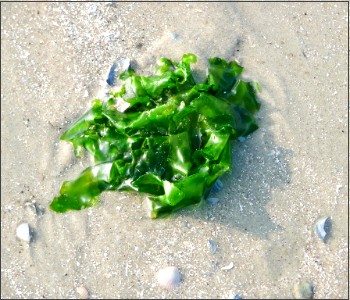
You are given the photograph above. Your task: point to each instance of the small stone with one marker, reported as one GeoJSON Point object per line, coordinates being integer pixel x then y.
{"type": "Point", "coordinates": [83, 292]}
{"type": "Point", "coordinates": [303, 290]}
{"type": "Point", "coordinates": [213, 246]}
{"type": "Point", "coordinates": [23, 232]}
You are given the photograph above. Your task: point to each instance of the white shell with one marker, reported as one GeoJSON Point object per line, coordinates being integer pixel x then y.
{"type": "Point", "coordinates": [229, 267]}
{"type": "Point", "coordinates": [323, 228]}
{"type": "Point", "coordinates": [23, 232]}
{"type": "Point", "coordinates": [169, 277]}
{"type": "Point", "coordinates": [83, 292]}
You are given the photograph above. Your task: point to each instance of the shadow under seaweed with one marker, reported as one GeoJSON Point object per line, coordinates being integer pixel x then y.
{"type": "Point", "coordinates": [259, 166]}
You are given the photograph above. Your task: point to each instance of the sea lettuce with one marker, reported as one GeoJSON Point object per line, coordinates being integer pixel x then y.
{"type": "Point", "coordinates": [171, 140]}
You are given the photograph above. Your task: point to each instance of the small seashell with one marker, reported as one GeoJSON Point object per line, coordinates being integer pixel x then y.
{"type": "Point", "coordinates": [23, 232]}
{"type": "Point", "coordinates": [116, 69]}
{"type": "Point", "coordinates": [229, 267]}
{"type": "Point", "coordinates": [323, 228]}
{"type": "Point", "coordinates": [213, 200]}
{"type": "Point", "coordinates": [111, 75]}
{"type": "Point", "coordinates": [83, 292]}
{"type": "Point", "coordinates": [174, 36]}
{"type": "Point", "coordinates": [235, 296]}
{"type": "Point", "coordinates": [169, 277]}
{"type": "Point", "coordinates": [212, 245]}
{"type": "Point", "coordinates": [217, 186]}
{"type": "Point", "coordinates": [303, 290]}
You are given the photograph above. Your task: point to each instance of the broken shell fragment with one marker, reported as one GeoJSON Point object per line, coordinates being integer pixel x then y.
{"type": "Point", "coordinates": [23, 232]}
{"type": "Point", "coordinates": [323, 228]}
{"type": "Point", "coordinates": [229, 267]}
{"type": "Point", "coordinates": [169, 277]}
{"type": "Point", "coordinates": [303, 290]}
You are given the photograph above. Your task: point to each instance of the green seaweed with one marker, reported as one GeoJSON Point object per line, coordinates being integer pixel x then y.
{"type": "Point", "coordinates": [172, 141]}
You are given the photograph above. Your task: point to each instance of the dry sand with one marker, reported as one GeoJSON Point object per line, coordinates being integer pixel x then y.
{"type": "Point", "coordinates": [285, 176]}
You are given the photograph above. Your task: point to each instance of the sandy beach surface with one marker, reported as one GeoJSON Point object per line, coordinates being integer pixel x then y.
{"type": "Point", "coordinates": [285, 176]}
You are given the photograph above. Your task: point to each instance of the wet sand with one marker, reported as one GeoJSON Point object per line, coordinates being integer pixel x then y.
{"type": "Point", "coordinates": [285, 176]}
